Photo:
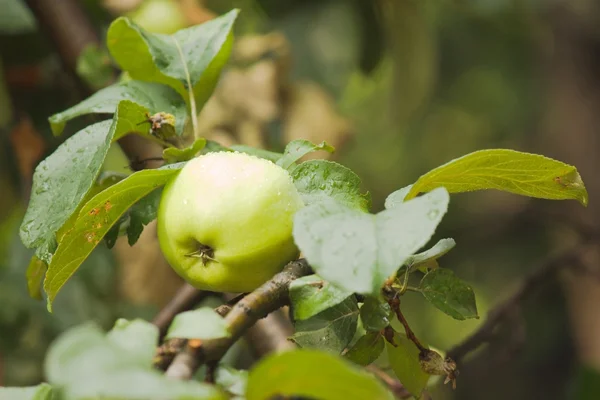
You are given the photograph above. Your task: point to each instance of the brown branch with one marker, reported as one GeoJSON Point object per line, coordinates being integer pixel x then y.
{"type": "Point", "coordinates": [395, 305]}
{"type": "Point", "coordinates": [393, 384]}
{"type": "Point", "coordinates": [505, 310]}
{"type": "Point", "coordinates": [271, 296]}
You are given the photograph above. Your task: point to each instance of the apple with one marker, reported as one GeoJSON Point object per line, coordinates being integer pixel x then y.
{"type": "Point", "coordinates": [159, 16]}
{"type": "Point", "coordinates": [225, 222]}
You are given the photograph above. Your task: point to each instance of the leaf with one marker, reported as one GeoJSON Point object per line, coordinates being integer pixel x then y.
{"type": "Point", "coordinates": [375, 315]}
{"type": "Point", "coordinates": [261, 153]}
{"type": "Point", "coordinates": [173, 154]}
{"type": "Point", "coordinates": [397, 197]}
{"type": "Point", "coordinates": [366, 349]}
{"type": "Point", "coordinates": [153, 97]}
{"type": "Point", "coordinates": [321, 180]}
{"type": "Point", "coordinates": [87, 364]}
{"type": "Point", "coordinates": [508, 170]}
{"type": "Point", "coordinates": [298, 148]}
{"type": "Point", "coordinates": [94, 67]}
{"type": "Point", "coordinates": [428, 256]}
{"type": "Point", "coordinates": [16, 18]}
{"type": "Point", "coordinates": [43, 391]}
{"type": "Point", "coordinates": [358, 251]}
{"type": "Point", "coordinates": [232, 380]}
{"type": "Point", "coordinates": [94, 221]}
{"type": "Point", "coordinates": [141, 214]}
{"type": "Point", "coordinates": [331, 330]}
{"type": "Point", "coordinates": [312, 374]}
{"type": "Point", "coordinates": [404, 360]}
{"type": "Point", "coordinates": [35, 275]}
{"type": "Point", "coordinates": [137, 337]}
{"type": "Point", "coordinates": [198, 53]}
{"type": "Point", "coordinates": [449, 294]}
{"type": "Point", "coordinates": [202, 323]}
{"type": "Point", "coordinates": [310, 295]}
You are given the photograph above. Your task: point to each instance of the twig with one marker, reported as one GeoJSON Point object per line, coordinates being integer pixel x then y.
{"type": "Point", "coordinates": [270, 334]}
{"type": "Point", "coordinates": [395, 305]}
{"type": "Point", "coordinates": [393, 384]}
{"type": "Point", "coordinates": [547, 269]}
{"type": "Point", "coordinates": [254, 306]}
{"type": "Point", "coordinates": [185, 298]}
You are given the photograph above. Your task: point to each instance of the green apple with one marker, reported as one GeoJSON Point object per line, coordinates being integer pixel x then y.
{"type": "Point", "coordinates": [159, 16]}
{"type": "Point", "coordinates": [225, 222]}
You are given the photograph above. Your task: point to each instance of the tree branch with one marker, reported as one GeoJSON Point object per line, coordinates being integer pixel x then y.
{"type": "Point", "coordinates": [256, 305]}
{"type": "Point", "coordinates": [393, 384]}
{"type": "Point", "coordinates": [505, 310]}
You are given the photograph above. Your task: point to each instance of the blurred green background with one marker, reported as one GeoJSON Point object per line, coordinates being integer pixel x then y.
{"type": "Point", "coordinates": [400, 86]}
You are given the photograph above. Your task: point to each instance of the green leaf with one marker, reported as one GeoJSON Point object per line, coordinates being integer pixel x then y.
{"type": "Point", "coordinates": [202, 323]}
{"type": "Point", "coordinates": [43, 391]}
{"type": "Point", "coordinates": [261, 153]}
{"type": "Point", "coordinates": [429, 256]}
{"type": "Point", "coordinates": [298, 148]}
{"type": "Point", "coordinates": [94, 66]}
{"type": "Point", "coordinates": [397, 197]}
{"type": "Point", "coordinates": [311, 294]}
{"type": "Point", "coordinates": [358, 251]}
{"type": "Point", "coordinates": [139, 338]}
{"type": "Point", "coordinates": [141, 214]}
{"type": "Point", "coordinates": [35, 275]}
{"type": "Point", "coordinates": [153, 97]}
{"type": "Point", "coordinates": [508, 170]}
{"type": "Point", "coordinates": [366, 349]}
{"type": "Point", "coordinates": [449, 294]}
{"type": "Point", "coordinates": [234, 381]}
{"type": "Point", "coordinates": [94, 221]}
{"type": "Point", "coordinates": [198, 53]}
{"type": "Point", "coordinates": [60, 183]}
{"type": "Point", "coordinates": [173, 154]}
{"type": "Point", "coordinates": [16, 18]}
{"type": "Point", "coordinates": [331, 330]}
{"type": "Point", "coordinates": [375, 314]}
{"type": "Point", "coordinates": [313, 374]}
{"type": "Point", "coordinates": [403, 356]}
{"type": "Point", "coordinates": [321, 180]}
{"type": "Point", "coordinates": [87, 364]}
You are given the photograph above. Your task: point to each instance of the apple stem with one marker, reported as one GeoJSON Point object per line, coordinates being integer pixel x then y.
{"type": "Point", "coordinates": [204, 252]}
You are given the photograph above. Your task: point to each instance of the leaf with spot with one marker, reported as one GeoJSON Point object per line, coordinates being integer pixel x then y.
{"type": "Point", "coordinates": [152, 96]}
{"type": "Point", "coordinates": [512, 171]}
{"type": "Point", "coordinates": [311, 294]}
{"type": "Point", "coordinates": [322, 180]}
{"type": "Point", "coordinates": [173, 154]}
{"type": "Point", "coordinates": [449, 294]}
{"type": "Point", "coordinates": [366, 349]}
{"type": "Point", "coordinates": [298, 148]}
{"type": "Point", "coordinates": [312, 374]}
{"type": "Point", "coordinates": [95, 219]}
{"type": "Point", "coordinates": [202, 323]}
{"type": "Point", "coordinates": [190, 59]}
{"type": "Point", "coordinates": [357, 251]}
{"type": "Point", "coordinates": [403, 357]}
{"type": "Point", "coordinates": [375, 314]}
{"type": "Point", "coordinates": [330, 330]}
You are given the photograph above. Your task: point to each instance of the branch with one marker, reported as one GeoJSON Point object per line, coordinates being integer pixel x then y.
{"type": "Point", "coordinates": [505, 310]}
{"type": "Point", "coordinates": [256, 305]}
{"type": "Point", "coordinates": [394, 385]}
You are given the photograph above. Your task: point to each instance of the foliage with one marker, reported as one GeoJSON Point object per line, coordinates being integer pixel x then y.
{"type": "Point", "coordinates": [362, 261]}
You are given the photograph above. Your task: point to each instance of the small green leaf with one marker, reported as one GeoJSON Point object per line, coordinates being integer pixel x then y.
{"type": "Point", "coordinates": [449, 294]}
{"type": "Point", "coordinates": [311, 294]}
{"type": "Point", "coordinates": [331, 330]}
{"type": "Point", "coordinates": [95, 219]}
{"type": "Point", "coordinates": [312, 374]}
{"type": "Point", "coordinates": [320, 180]}
{"type": "Point", "coordinates": [403, 356]}
{"type": "Point", "coordinates": [202, 323]}
{"type": "Point", "coordinates": [375, 314]}
{"type": "Point", "coordinates": [153, 97]}
{"type": "Point", "coordinates": [366, 349]}
{"type": "Point", "coordinates": [35, 275]}
{"type": "Point", "coordinates": [298, 148]}
{"type": "Point", "coordinates": [526, 174]}
{"type": "Point", "coordinates": [234, 381]}
{"type": "Point", "coordinates": [397, 197]}
{"type": "Point", "coordinates": [137, 337]}
{"type": "Point", "coordinates": [198, 53]}
{"type": "Point", "coordinates": [43, 391]}
{"type": "Point", "coordinates": [261, 153]}
{"type": "Point", "coordinates": [173, 154]}
{"type": "Point", "coordinates": [430, 255]}
{"type": "Point", "coordinates": [358, 251]}
{"type": "Point", "coordinates": [141, 214]}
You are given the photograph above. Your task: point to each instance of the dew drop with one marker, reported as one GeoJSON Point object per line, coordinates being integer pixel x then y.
{"type": "Point", "coordinates": [433, 214]}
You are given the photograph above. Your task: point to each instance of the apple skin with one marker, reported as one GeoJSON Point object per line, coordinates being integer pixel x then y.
{"type": "Point", "coordinates": [159, 16]}
{"type": "Point", "coordinates": [242, 207]}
